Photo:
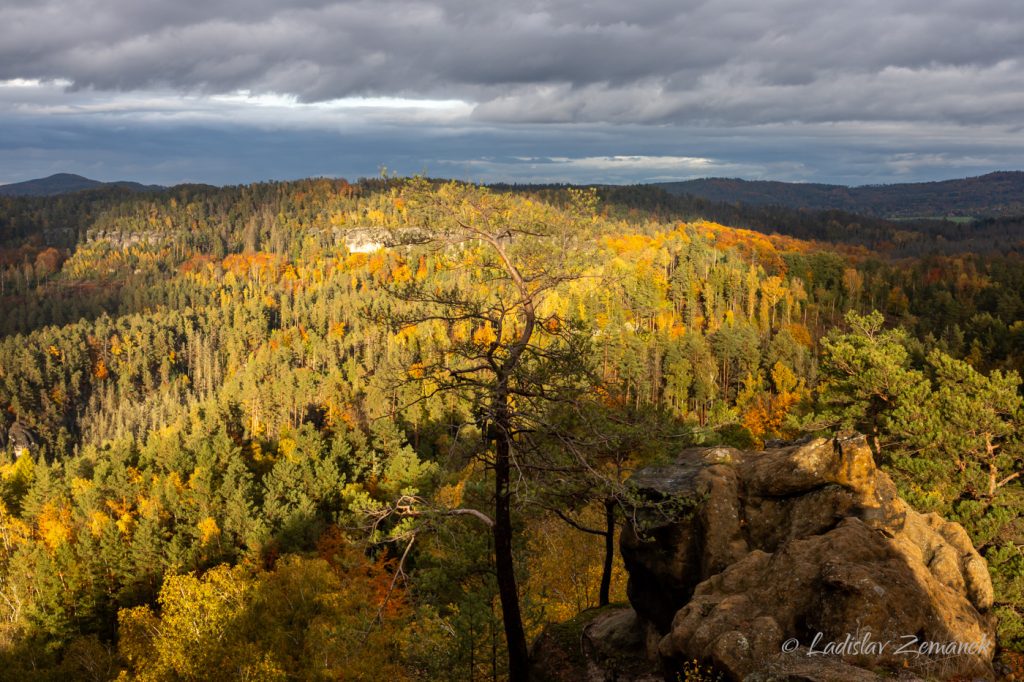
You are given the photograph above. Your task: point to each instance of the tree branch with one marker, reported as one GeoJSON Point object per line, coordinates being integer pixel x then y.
{"type": "Point", "coordinates": [577, 526]}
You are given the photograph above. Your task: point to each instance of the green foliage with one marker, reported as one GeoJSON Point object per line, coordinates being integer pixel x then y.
{"type": "Point", "coordinates": [203, 391]}
{"type": "Point", "coordinates": [950, 435]}
{"type": "Point", "coordinates": [309, 619]}
{"type": "Point", "coordinates": [867, 376]}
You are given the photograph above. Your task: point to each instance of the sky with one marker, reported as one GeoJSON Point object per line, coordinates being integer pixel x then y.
{"type": "Point", "coordinates": [235, 91]}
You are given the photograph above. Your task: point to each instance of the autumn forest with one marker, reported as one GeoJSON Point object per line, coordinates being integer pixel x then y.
{"type": "Point", "coordinates": [385, 430]}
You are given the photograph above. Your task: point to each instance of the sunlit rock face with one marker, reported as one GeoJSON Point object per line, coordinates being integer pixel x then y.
{"type": "Point", "coordinates": [802, 562]}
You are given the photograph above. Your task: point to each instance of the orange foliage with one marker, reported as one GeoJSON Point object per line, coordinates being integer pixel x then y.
{"type": "Point", "coordinates": [196, 263]}
{"type": "Point", "coordinates": [260, 263]}
{"type": "Point", "coordinates": [400, 274]}
{"type": "Point", "coordinates": [48, 261]}
{"type": "Point", "coordinates": [375, 263]}
{"type": "Point", "coordinates": [629, 243]}
{"type": "Point", "coordinates": [800, 334]}
{"type": "Point", "coordinates": [350, 562]}
{"type": "Point", "coordinates": [753, 245]}
{"type": "Point", "coordinates": [355, 261]}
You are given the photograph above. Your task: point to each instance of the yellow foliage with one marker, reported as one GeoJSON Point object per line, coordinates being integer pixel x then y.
{"type": "Point", "coordinates": [80, 485]}
{"type": "Point", "coordinates": [19, 473]}
{"type": "Point", "coordinates": [175, 480]}
{"type": "Point", "coordinates": [629, 243]}
{"type": "Point", "coordinates": [119, 507]}
{"type": "Point", "coordinates": [57, 395]}
{"type": "Point", "coordinates": [764, 412]}
{"type": "Point", "coordinates": [146, 505]}
{"type": "Point", "coordinates": [13, 531]}
{"type": "Point", "coordinates": [125, 523]}
{"type": "Point", "coordinates": [460, 332]}
{"type": "Point", "coordinates": [208, 530]}
{"type": "Point", "coordinates": [450, 496]}
{"type": "Point", "coordinates": [401, 274]}
{"type": "Point", "coordinates": [336, 330]}
{"type": "Point", "coordinates": [320, 618]}
{"type": "Point", "coordinates": [416, 370]}
{"type": "Point", "coordinates": [98, 522]}
{"type": "Point", "coordinates": [664, 320]}
{"type": "Point", "coordinates": [565, 569]}
{"type": "Point", "coordinates": [484, 335]}
{"type": "Point", "coordinates": [194, 478]}
{"type": "Point", "coordinates": [800, 334]}
{"type": "Point", "coordinates": [54, 525]}
{"type": "Point", "coordinates": [287, 447]}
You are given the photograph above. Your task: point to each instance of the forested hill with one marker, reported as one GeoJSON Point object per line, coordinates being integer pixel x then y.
{"type": "Point", "coordinates": [995, 194]}
{"type": "Point", "coordinates": [321, 430]}
{"type": "Point", "coordinates": [892, 237]}
{"type": "Point", "coordinates": [64, 183]}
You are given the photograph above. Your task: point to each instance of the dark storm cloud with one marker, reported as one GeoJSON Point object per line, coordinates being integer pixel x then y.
{"type": "Point", "coordinates": [227, 153]}
{"type": "Point", "coordinates": [728, 62]}
{"type": "Point", "coordinates": [537, 90]}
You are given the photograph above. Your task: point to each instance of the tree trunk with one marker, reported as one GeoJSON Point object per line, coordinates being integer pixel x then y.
{"type": "Point", "coordinates": [515, 637]}
{"type": "Point", "coordinates": [609, 553]}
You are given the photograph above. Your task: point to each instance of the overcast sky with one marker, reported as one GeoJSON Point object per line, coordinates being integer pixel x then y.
{"type": "Point", "coordinates": [230, 91]}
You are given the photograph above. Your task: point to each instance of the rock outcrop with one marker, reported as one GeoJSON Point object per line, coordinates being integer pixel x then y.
{"type": "Point", "coordinates": [20, 437]}
{"type": "Point", "coordinates": [802, 563]}
{"type": "Point", "coordinates": [599, 645]}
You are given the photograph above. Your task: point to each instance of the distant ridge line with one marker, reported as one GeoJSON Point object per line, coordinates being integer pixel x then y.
{"type": "Point", "coordinates": [67, 183]}
{"type": "Point", "coordinates": [1000, 193]}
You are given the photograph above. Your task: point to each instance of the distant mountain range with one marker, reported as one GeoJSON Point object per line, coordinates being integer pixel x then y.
{"type": "Point", "coordinates": [995, 194]}
{"type": "Point", "coordinates": [999, 194]}
{"type": "Point", "coordinates": [65, 183]}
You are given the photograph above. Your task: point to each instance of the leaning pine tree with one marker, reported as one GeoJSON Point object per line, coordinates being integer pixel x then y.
{"type": "Point", "coordinates": [498, 264]}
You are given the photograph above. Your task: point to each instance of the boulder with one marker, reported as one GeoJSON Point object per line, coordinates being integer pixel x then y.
{"type": "Point", "coordinates": [20, 437]}
{"type": "Point", "coordinates": [607, 644]}
{"type": "Point", "coordinates": [802, 562]}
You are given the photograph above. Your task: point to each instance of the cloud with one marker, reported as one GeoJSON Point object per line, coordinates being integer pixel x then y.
{"type": "Point", "coordinates": [173, 150]}
{"type": "Point", "coordinates": [597, 169]}
{"type": "Point", "coordinates": [728, 62]}
{"type": "Point", "coordinates": [33, 99]}
{"type": "Point", "coordinates": [862, 91]}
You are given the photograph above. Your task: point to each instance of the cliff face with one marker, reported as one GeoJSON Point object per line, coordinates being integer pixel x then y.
{"type": "Point", "coordinates": [802, 562]}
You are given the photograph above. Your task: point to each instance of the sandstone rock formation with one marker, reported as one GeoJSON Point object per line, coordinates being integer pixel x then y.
{"type": "Point", "coordinates": [20, 437]}
{"type": "Point", "coordinates": [735, 556]}
{"type": "Point", "coordinates": [599, 645]}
